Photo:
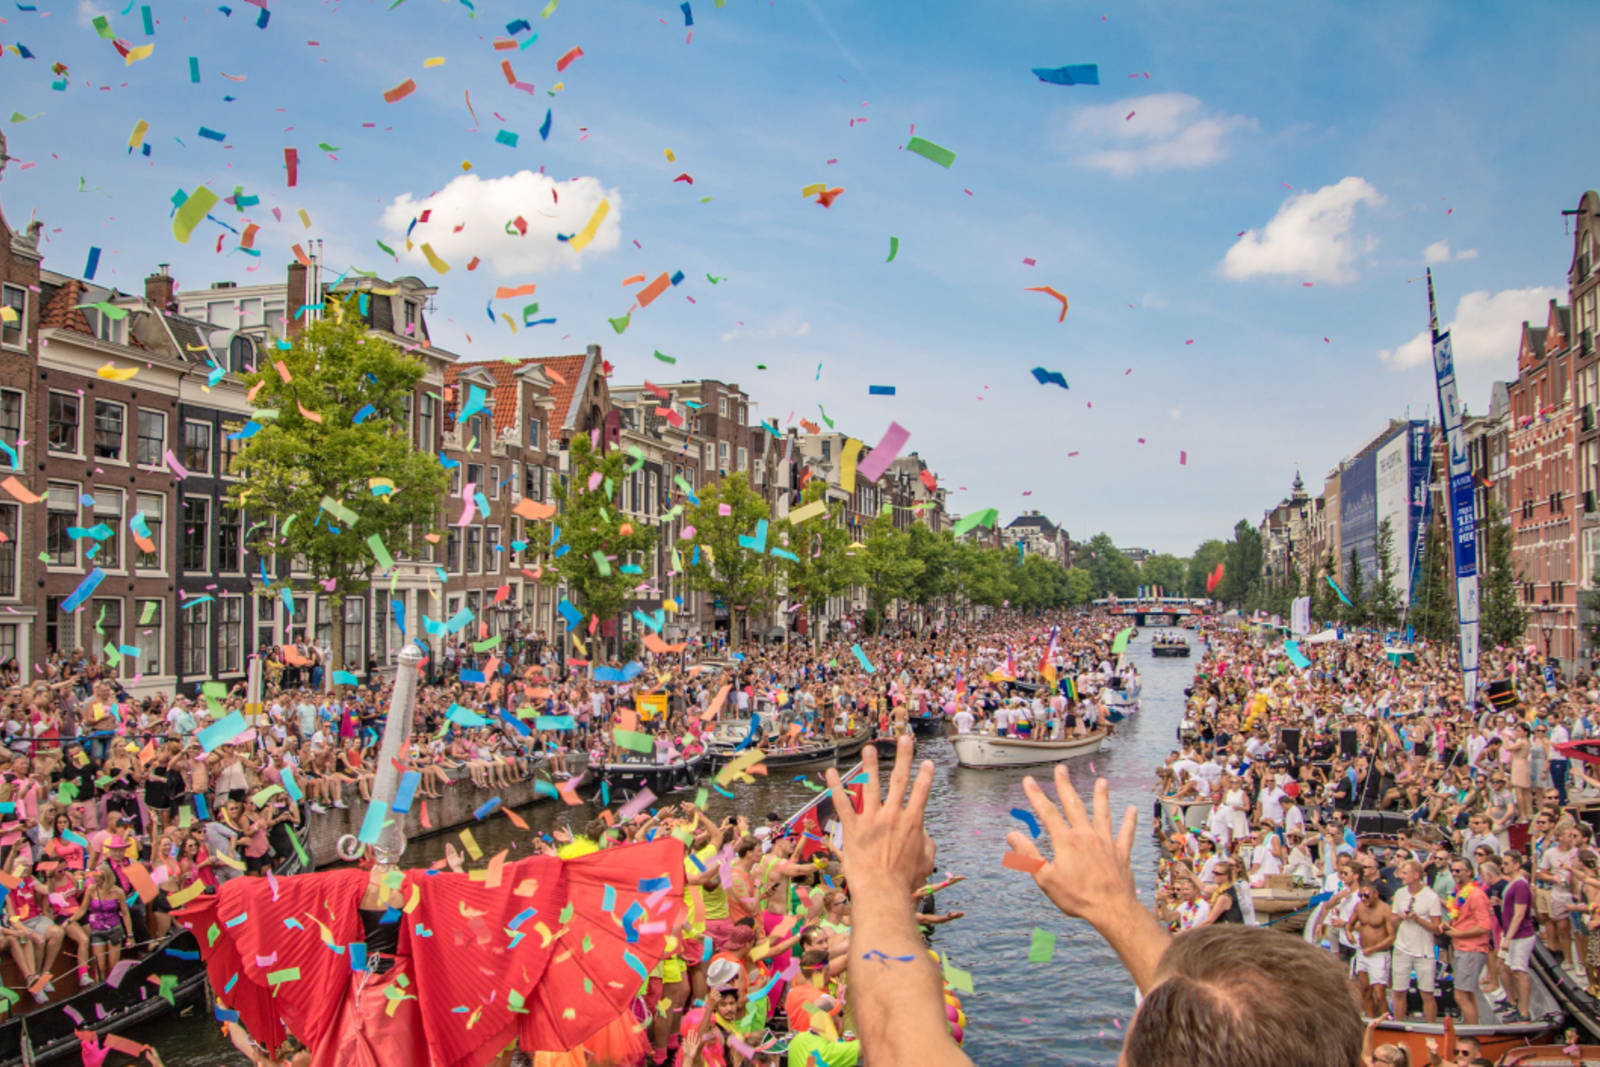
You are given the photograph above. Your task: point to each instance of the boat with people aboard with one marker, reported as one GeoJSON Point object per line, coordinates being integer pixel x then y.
{"type": "Point", "coordinates": [1169, 646]}
{"type": "Point", "coordinates": [992, 750]}
{"type": "Point", "coordinates": [660, 776]}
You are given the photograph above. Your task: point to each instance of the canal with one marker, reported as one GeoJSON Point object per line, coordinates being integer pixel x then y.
{"type": "Point", "coordinates": [1070, 1010]}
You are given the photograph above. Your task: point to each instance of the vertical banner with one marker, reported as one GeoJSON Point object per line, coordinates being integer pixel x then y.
{"type": "Point", "coordinates": [1463, 531]}
{"type": "Point", "coordinates": [1421, 510]}
{"type": "Point", "coordinates": [1300, 615]}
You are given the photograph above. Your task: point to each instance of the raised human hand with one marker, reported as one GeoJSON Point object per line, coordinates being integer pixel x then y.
{"type": "Point", "coordinates": [1090, 874]}
{"type": "Point", "coordinates": [886, 848]}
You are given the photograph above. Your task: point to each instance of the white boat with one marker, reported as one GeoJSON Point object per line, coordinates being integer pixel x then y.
{"type": "Point", "coordinates": [988, 750]}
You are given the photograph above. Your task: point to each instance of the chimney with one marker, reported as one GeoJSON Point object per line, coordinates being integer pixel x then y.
{"type": "Point", "coordinates": [158, 288]}
{"type": "Point", "coordinates": [297, 298]}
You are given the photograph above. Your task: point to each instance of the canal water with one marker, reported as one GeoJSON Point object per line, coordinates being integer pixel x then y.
{"type": "Point", "coordinates": [1070, 1010]}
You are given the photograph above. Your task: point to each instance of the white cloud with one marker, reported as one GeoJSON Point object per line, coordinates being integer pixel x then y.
{"type": "Point", "coordinates": [1309, 238]}
{"type": "Point", "coordinates": [1486, 328]}
{"type": "Point", "coordinates": [1168, 131]}
{"type": "Point", "coordinates": [481, 208]}
{"type": "Point", "coordinates": [1439, 252]}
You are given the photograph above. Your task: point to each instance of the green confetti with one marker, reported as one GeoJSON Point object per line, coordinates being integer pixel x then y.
{"type": "Point", "coordinates": [932, 152]}
{"type": "Point", "coordinates": [326, 147]}
{"type": "Point", "coordinates": [663, 357]}
{"type": "Point", "coordinates": [894, 249]}
{"type": "Point", "coordinates": [825, 417]}
{"type": "Point", "coordinates": [958, 979]}
{"type": "Point", "coordinates": [385, 247]}
{"type": "Point", "coordinates": [1043, 947]}
{"type": "Point", "coordinates": [713, 279]}
{"type": "Point", "coordinates": [620, 324]}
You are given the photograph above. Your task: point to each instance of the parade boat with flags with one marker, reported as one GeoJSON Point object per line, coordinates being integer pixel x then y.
{"type": "Point", "coordinates": [1168, 646]}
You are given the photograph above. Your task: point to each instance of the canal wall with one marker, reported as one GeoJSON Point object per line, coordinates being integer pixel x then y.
{"type": "Point", "coordinates": [445, 814]}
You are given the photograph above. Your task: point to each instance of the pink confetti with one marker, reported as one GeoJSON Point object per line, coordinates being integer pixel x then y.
{"type": "Point", "coordinates": [1030, 261]}
{"type": "Point", "coordinates": [832, 161]}
{"type": "Point", "coordinates": [1141, 440]}
{"type": "Point", "coordinates": [1308, 285]}
{"type": "Point", "coordinates": [1071, 454]}
{"type": "Point", "coordinates": [1127, 372]}
{"type": "Point", "coordinates": [1091, 768]}
{"type": "Point", "coordinates": [1190, 341]}
{"type": "Point", "coordinates": [1130, 115]}
{"type": "Point", "coordinates": [1183, 459]}
{"type": "Point", "coordinates": [1326, 341]}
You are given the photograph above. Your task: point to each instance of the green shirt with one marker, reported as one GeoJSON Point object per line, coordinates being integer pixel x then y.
{"type": "Point", "coordinates": [831, 1053]}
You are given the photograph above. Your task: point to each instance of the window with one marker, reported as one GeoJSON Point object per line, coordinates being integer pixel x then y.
{"type": "Point", "coordinates": [112, 328]}
{"type": "Point", "coordinates": [61, 549]}
{"type": "Point", "coordinates": [196, 523]}
{"type": "Point", "coordinates": [63, 427]}
{"type": "Point", "coordinates": [60, 625]}
{"type": "Point", "coordinates": [109, 418]}
{"type": "Point", "coordinates": [722, 455]}
{"type": "Point", "coordinates": [475, 438]}
{"type": "Point", "coordinates": [411, 316]}
{"type": "Point", "coordinates": [827, 451]}
{"type": "Point", "coordinates": [8, 641]}
{"type": "Point", "coordinates": [231, 446]}
{"type": "Point", "coordinates": [14, 331]}
{"type": "Point", "coordinates": [11, 403]}
{"type": "Point", "coordinates": [651, 500]}
{"type": "Point", "coordinates": [147, 638]}
{"type": "Point", "coordinates": [230, 539]}
{"type": "Point", "coordinates": [491, 550]}
{"type": "Point", "coordinates": [152, 437]}
{"type": "Point", "coordinates": [533, 482]}
{"type": "Point", "coordinates": [711, 456]}
{"type": "Point", "coordinates": [722, 406]}
{"type": "Point", "coordinates": [535, 433]}
{"type": "Point", "coordinates": [452, 551]}
{"type": "Point", "coordinates": [355, 645]}
{"type": "Point", "coordinates": [10, 516]}
{"type": "Point", "coordinates": [196, 631]}
{"type": "Point", "coordinates": [475, 474]}
{"type": "Point", "coordinates": [494, 481]}
{"type": "Point", "coordinates": [197, 447]}
{"type": "Point", "coordinates": [153, 506]}
{"type": "Point", "coordinates": [242, 351]}
{"type": "Point", "coordinates": [106, 615]}
{"type": "Point", "coordinates": [108, 512]}
{"type": "Point", "coordinates": [514, 480]}
{"type": "Point", "coordinates": [474, 547]}
{"type": "Point", "coordinates": [744, 415]}
{"type": "Point", "coordinates": [744, 459]}
{"type": "Point", "coordinates": [427, 422]}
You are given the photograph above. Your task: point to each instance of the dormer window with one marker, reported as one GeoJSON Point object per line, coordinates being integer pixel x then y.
{"type": "Point", "coordinates": [107, 328]}
{"type": "Point", "coordinates": [411, 317]}
{"type": "Point", "coordinates": [241, 354]}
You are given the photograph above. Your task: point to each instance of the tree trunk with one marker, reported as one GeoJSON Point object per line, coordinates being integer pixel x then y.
{"type": "Point", "coordinates": [335, 634]}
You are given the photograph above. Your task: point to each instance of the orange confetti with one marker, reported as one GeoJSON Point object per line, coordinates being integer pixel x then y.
{"type": "Point", "coordinates": [566, 61]}
{"type": "Point", "coordinates": [1053, 292]}
{"type": "Point", "coordinates": [300, 256]}
{"type": "Point", "coordinates": [1018, 862]}
{"type": "Point", "coordinates": [654, 289]}
{"type": "Point", "coordinates": [306, 413]}
{"type": "Point", "coordinates": [516, 820]}
{"type": "Point", "coordinates": [18, 490]}
{"type": "Point", "coordinates": [633, 279]}
{"type": "Point", "coordinates": [400, 92]}
{"type": "Point", "coordinates": [502, 292]}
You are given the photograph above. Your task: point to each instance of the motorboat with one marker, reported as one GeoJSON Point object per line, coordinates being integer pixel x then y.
{"type": "Point", "coordinates": [1184, 814]}
{"type": "Point", "coordinates": [991, 750]}
{"type": "Point", "coordinates": [1499, 1040]}
{"type": "Point", "coordinates": [1569, 992]}
{"type": "Point", "coordinates": [631, 776]}
{"type": "Point", "coordinates": [1170, 647]}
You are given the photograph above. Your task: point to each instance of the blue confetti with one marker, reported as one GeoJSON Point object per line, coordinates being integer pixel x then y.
{"type": "Point", "coordinates": [1027, 819]}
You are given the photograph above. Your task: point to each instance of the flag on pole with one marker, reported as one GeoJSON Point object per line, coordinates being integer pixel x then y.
{"type": "Point", "coordinates": [1047, 666]}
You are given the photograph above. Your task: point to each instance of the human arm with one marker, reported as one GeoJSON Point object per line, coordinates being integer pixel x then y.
{"type": "Point", "coordinates": [1090, 875]}
{"type": "Point", "coordinates": [899, 1004]}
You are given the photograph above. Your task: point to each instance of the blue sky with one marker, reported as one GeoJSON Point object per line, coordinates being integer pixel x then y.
{"type": "Point", "coordinates": [1342, 140]}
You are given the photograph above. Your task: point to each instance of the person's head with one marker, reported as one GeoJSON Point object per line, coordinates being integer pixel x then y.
{"type": "Point", "coordinates": [1239, 996]}
{"type": "Point", "coordinates": [1511, 863]}
{"type": "Point", "coordinates": [1411, 874]}
{"type": "Point", "coordinates": [1391, 1056]}
{"type": "Point", "coordinates": [727, 1004]}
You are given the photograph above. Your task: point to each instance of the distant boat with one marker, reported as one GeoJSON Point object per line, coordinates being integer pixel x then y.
{"type": "Point", "coordinates": [990, 750]}
{"type": "Point", "coordinates": [660, 778]}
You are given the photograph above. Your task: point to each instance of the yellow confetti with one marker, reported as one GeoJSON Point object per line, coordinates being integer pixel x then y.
{"type": "Point", "coordinates": [112, 373]}
{"type": "Point", "coordinates": [814, 188]}
{"type": "Point", "coordinates": [558, 86]}
{"type": "Point", "coordinates": [470, 843]}
{"type": "Point", "coordinates": [435, 262]}
{"type": "Point", "coordinates": [672, 157]}
{"type": "Point", "coordinates": [509, 321]}
{"type": "Point", "coordinates": [305, 219]}
{"type": "Point", "coordinates": [136, 138]}
{"type": "Point", "coordinates": [433, 61]}
{"type": "Point", "coordinates": [581, 239]}
{"type": "Point", "coordinates": [466, 164]}
{"type": "Point", "coordinates": [135, 54]}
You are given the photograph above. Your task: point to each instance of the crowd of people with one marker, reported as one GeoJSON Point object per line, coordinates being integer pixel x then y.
{"type": "Point", "coordinates": [1482, 851]}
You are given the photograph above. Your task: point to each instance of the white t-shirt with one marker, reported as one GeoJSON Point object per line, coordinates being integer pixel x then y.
{"type": "Point", "coordinates": [963, 720]}
{"type": "Point", "coordinates": [1558, 735]}
{"type": "Point", "coordinates": [1413, 938]}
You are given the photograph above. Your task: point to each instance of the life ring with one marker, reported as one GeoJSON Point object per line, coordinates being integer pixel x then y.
{"type": "Point", "coordinates": [349, 848]}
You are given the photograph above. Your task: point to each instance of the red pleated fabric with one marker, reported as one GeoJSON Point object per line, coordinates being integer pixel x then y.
{"type": "Point", "coordinates": [577, 956]}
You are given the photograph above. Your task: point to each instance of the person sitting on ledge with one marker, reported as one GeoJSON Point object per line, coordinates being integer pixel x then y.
{"type": "Point", "coordinates": [1220, 996]}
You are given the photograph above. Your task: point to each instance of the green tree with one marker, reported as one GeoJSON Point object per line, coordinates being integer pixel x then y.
{"type": "Point", "coordinates": [1201, 566]}
{"type": "Point", "coordinates": [1325, 603]}
{"type": "Point", "coordinates": [1385, 595]}
{"type": "Point", "coordinates": [316, 450]}
{"type": "Point", "coordinates": [1113, 573]}
{"type": "Point", "coordinates": [1080, 586]}
{"type": "Point", "coordinates": [742, 578]}
{"type": "Point", "coordinates": [887, 566]}
{"type": "Point", "coordinates": [1165, 572]}
{"type": "Point", "coordinates": [1504, 618]}
{"type": "Point", "coordinates": [601, 540]}
{"type": "Point", "coordinates": [1241, 579]}
{"type": "Point", "coordinates": [827, 567]}
{"type": "Point", "coordinates": [937, 554]}
{"type": "Point", "coordinates": [1357, 613]}
{"type": "Point", "coordinates": [984, 575]}
{"type": "Point", "coordinates": [1433, 605]}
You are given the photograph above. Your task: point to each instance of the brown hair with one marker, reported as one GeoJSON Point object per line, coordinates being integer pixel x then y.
{"type": "Point", "coordinates": [1239, 996]}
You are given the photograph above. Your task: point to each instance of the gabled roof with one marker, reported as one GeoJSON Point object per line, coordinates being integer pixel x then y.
{"type": "Point", "coordinates": [504, 395]}
{"type": "Point", "coordinates": [61, 311]}
{"type": "Point", "coordinates": [569, 376]}
{"type": "Point", "coordinates": [1041, 522]}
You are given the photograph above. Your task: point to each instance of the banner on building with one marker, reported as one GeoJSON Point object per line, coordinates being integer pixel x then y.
{"type": "Point", "coordinates": [1463, 531]}
{"type": "Point", "coordinates": [1300, 615]}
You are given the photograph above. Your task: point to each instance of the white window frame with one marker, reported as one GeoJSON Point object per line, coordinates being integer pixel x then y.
{"type": "Point", "coordinates": [122, 460]}
{"type": "Point", "coordinates": [157, 532]}
{"type": "Point", "coordinates": [12, 547]}
{"type": "Point", "coordinates": [494, 481]}
{"type": "Point", "coordinates": [536, 433]}
{"type": "Point", "coordinates": [224, 605]}
{"type": "Point", "coordinates": [59, 492]}
{"type": "Point", "coordinates": [183, 535]}
{"type": "Point", "coordinates": [111, 493]}
{"type": "Point", "coordinates": [161, 459]}
{"type": "Point", "coordinates": [197, 616]}
{"type": "Point", "coordinates": [7, 293]}
{"type": "Point", "coordinates": [211, 445]}
{"type": "Point", "coordinates": [22, 422]}
{"type": "Point", "coordinates": [157, 633]}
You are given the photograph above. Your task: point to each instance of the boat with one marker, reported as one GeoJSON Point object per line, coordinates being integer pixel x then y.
{"type": "Point", "coordinates": [1170, 649]}
{"type": "Point", "coordinates": [1498, 1039]}
{"type": "Point", "coordinates": [990, 750]}
{"type": "Point", "coordinates": [1283, 908]}
{"type": "Point", "coordinates": [660, 778]}
{"type": "Point", "coordinates": [1551, 1056]}
{"type": "Point", "coordinates": [46, 1033]}
{"type": "Point", "coordinates": [928, 724]}
{"type": "Point", "coordinates": [1572, 994]}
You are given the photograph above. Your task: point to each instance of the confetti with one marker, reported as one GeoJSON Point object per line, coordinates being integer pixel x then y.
{"type": "Point", "coordinates": [894, 249]}
{"type": "Point", "coordinates": [401, 91]}
{"type": "Point", "coordinates": [930, 151]}
{"type": "Point", "coordinates": [1075, 74]}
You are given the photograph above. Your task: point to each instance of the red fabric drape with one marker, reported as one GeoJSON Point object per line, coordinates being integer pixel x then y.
{"type": "Point", "coordinates": [573, 964]}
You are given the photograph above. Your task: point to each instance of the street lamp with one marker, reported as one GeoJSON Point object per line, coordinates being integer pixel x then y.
{"type": "Point", "coordinates": [506, 615]}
